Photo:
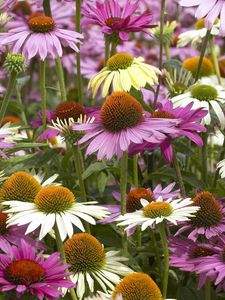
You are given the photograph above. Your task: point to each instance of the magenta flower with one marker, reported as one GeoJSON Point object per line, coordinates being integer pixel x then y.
{"type": "Point", "coordinates": [191, 256]}
{"type": "Point", "coordinates": [133, 201]}
{"type": "Point", "coordinates": [209, 220]}
{"type": "Point", "coordinates": [187, 126]}
{"type": "Point", "coordinates": [112, 18]}
{"type": "Point", "coordinates": [22, 271]}
{"type": "Point", "coordinates": [120, 122]}
{"type": "Point", "coordinates": [41, 36]}
{"type": "Point", "coordinates": [210, 10]}
{"type": "Point", "coordinates": [6, 5]}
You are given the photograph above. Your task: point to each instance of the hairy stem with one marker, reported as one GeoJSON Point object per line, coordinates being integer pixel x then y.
{"type": "Point", "coordinates": [61, 79]}
{"type": "Point", "coordinates": [43, 91]}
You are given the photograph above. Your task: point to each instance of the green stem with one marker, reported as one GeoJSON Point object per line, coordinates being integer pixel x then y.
{"type": "Point", "coordinates": [215, 59]}
{"type": "Point", "coordinates": [202, 54]}
{"type": "Point", "coordinates": [63, 256]}
{"type": "Point", "coordinates": [47, 8]}
{"type": "Point", "coordinates": [123, 190]}
{"type": "Point", "coordinates": [79, 171]}
{"type": "Point", "coordinates": [113, 47]}
{"type": "Point", "coordinates": [107, 48]}
{"type": "Point", "coordinates": [162, 233]}
{"type": "Point", "coordinates": [222, 154]}
{"type": "Point", "coordinates": [135, 170]}
{"type": "Point", "coordinates": [205, 158]}
{"type": "Point", "coordinates": [8, 94]}
{"type": "Point", "coordinates": [167, 51]}
{"type": "Point", "coordinates": [157, 254]}
{"type": "Point", "coordinates": [178, 173]}
{"type": "Point", "coordinates": [61, 79]}
{"type": "Point", "coordinates": [208, 290]}
{"type": "Point", "coordinates": [43, 91]}
{"type": "Point", "coordinates": [19, 99]}
{"type": "Point", "coordinates": [162, 21]}
{"type": "Point", "coordinates": [79, 77]}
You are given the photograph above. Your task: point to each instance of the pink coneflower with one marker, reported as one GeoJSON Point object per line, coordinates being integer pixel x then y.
{"type": "Point", "coordinates": [187, 126]}
{"type": "Point", "coordinates": [191, 256]}
{"type": "Point", "coordinates": [210, 10]}
{"type": "Point", "coordinates": [133, 202]}
{"type": "Point", "coordinates": [6, 5]}
{"type": "Point", "coordinates": [41, 36]}
{"type": "Point", "coordinates": [209, 221]}
{"type": "Point", "coordinates": [22, 271]}
{"type": "Point", "coordinates": [113, 18]}
{"type": "Point", "coordinates": [120, 122]}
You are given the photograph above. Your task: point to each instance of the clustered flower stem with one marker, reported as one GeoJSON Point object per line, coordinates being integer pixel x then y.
{"type": "Point", "coordinates": [208, 290]}
{"type": "Point", "coordinates": [63, 256]}
{"type": "Point", "coordinates": [162, 232]}
{"type": "Point", "coordinates": [205, 159]}
{"type": "Point", "coordinates": [178, 173]}
{"type": "Point", "coordinates": [123, 190]}
{"type": "Point", "coordinates": [79, 172]}
{"type": "Point", "coordinates": [162, 21]}
{"type": "Point", "coordinates": [202, 54]}
{"type": "Point", "coordinates": [8, 94]}
{"type": "Point", "coordinates": [43, 91]}
{"type": "Point", "coordinates": [61, 79]}
{"type": "Point", "coordinates": [215, 59]}
{"type": "Point", "coordinates": [47, 8]}
{"type": "Point", "coordinates": [79, 77]}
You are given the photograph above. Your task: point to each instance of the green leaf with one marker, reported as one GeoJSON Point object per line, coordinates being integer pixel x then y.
{"type": "Point", "coordinates": [102, 180]}
{"type": "Point", "coordinates": [93, 168]}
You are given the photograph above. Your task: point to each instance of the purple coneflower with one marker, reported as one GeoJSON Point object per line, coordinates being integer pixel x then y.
{"type": "Point", "coordinates": [210, 10]}
{"type": "Point", "coordinates": [22, 271]}
{"type": "Point", "coordinates": [209, 221]}
{"type": "Point", "coordinates": [40, 36]}
{"type": "Point", "coordinates": [187, 126]}
{"type": "Point", "coordinates": [113, 18]}
{"type": "Point", "coordinates": [120, 122]}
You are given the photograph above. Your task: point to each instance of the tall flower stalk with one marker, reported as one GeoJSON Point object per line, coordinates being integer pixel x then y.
{"type": "Point", "coordinates": [43, 91]}
{"type": "Point", "coordinates": [123, 190]}
{"type": "Point", "coordinates": [61, 79]}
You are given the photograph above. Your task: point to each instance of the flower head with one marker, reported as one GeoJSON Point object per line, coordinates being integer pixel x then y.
{"type": "Point", "coordinates": [157, 211]}
{"type": "Point", "coordinates": [191, 65]}
{"type": "Point", "coordinates": [137, 286]}
{"type": "Point", "coordinates": [114, 19]}
{"type": "Point", "coordinates": [124, 71]}
{"type": "Point", "coordinates": [121, 121]}
{"type": "Point", "coordinates": [54, 205]}
{"type": "Point", "coordinates": [204, 94]}
{"type": "Point", "coordinates": [22, 271]}
{"type": "Point", "coordinates": [40, 35]}
{"type": "Point", "coordinates": [209, 220]}
{"type": "Point", "coordinates": [92, 265]}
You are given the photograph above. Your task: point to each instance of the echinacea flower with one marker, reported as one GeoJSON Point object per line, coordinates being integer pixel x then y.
{"type": "Point", "coordinates": [40, 36]}
{"type": "Point", "coordinates": [191, 64]}
{"type": "Point", "coordinates": [187, 126]}
{"type": "Point", "coordinates": [6, 5]}
{"type": "Point", "coordinates": [133, 200]}
{"type": "Point", "coordinates": [209, 221]}
{"type": "Point", "coordinates": [196, 36]}
{"type": "Point", "coordinates": [24, 186]}
{"type": "Point", "coordinates": [155, 212]}
{"type": "Point", "coordinates": [124, 71]}
{"type": "Point", "coordinates": [93, 266]}
{"type": "Point", "coordinates": [22, 271]}
{"type": "Point", "coordinates": [114, 19]}
{"type": "Point", "coordinates": [120, 122]}
{"type": "Point", "coordinates": [191, 256]}
{"type": "Point", "coordinates": [210, 10]}
{"type": "Point", "coordinates": [204, 95]}
{"type": "Point", "coordinates": [54, 205]}
{"type": "Point", "coordinates": [137, 286]}
{"type": "Point", "coordinates": [7, 138]}
{"type": "Point", "coordinates": [14, 234]}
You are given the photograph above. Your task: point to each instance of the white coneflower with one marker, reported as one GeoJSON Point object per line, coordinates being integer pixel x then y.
{"type": "Point", "coordinates": [54, 205]}
{"type": "Point", "coordinates": [92, 266]}
{"type": "Point", "coordinates": [172, 210]}
{"type": "Point", "coordinates": [221, 168]}
{"type": "Point", "coordinates": [206, 95]}
{"type": "Point", "coordinates": [124, 71]}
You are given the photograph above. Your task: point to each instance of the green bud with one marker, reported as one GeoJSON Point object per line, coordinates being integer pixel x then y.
{"type": "Point", "coordinates": [15, 63]}
{"type": "Point", "coordinates": [168, 30]}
